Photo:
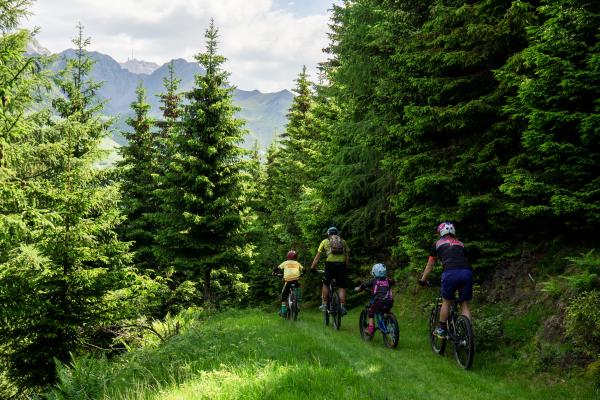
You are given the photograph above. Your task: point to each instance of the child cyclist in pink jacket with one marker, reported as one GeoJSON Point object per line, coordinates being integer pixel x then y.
{"type": "Point", "coordinates": [381, 290]}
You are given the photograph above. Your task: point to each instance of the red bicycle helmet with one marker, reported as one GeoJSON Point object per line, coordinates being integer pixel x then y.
{"type": "Point", "coordinates": [292, 255]}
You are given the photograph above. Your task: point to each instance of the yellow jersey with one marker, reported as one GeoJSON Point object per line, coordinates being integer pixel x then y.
{"type": "Point", "coordinates": [291, 270]}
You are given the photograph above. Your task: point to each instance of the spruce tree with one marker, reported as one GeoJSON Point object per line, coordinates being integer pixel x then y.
{"type": "Point", "coordinates": [355, 189]}
{"type": "Point", "coordinates": [170, 107]}
{"type": "Point", "coordinates": [59, 281]}
{"type": "Point", "coordinates": [137, 183]}
{"type": "Point", "coordinates": [170, 103]}
{"type": "Point", "coordinates": [21, 218]}
{"type": "Point", "coordinates": [554, 181]}
{"type": "Point", "coordinates": [298, 141]}
{"type": "Point", "coordinates": [420, 136]}
{"type": "Point", "coordinates": [200, 192]}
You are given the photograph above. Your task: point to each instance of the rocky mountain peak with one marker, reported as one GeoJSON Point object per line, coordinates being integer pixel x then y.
{"type": "Point", "coordinates": [139, 66]}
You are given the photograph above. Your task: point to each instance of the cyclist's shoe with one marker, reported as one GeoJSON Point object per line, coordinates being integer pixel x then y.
{"type": "Point", "coordinates": [370, 330]}
{"type": "Point", "coordinates": [440, 332]}
{"type": "Point", "coordinates": [343, 309]}
{"type": "Point", "coordinates": [323, 307]}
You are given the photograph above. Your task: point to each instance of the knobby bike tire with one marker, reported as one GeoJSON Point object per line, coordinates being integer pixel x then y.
{"type": "Point", "coordinates": [392, 334]}
{"type": "Point", "coordinates": [336, 312]}
{"type": "Point", "coordinates": [363, 323]}
{"type": "Point", "coordinates": [437, 345]}
{"type": "Point", "coordinates": [296, 306]}
{"type": "Point", "coordinates": [326, 316]}
{"type": "Point", "coordinates": [464, 345]}
{"type": "Point", "coordinates": [292, 306]}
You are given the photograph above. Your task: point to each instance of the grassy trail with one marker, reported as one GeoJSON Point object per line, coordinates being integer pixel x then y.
{"type": "Point", "coordinates": [249, 354]}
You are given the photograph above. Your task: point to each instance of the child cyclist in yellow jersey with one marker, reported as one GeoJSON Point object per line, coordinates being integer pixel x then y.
{"type": "Point", "coordinates": [292, 270]}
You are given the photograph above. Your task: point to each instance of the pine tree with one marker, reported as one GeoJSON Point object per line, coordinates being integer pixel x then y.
{"type": "Point", "coordinates": [21, 149]}
{"type": "Point", "coordinates": [355, 189]}
{"type": "Point", "coordinates": [137, 183]}
{"type": "Point", "coordinates": [442, 109]}
{"type": "Point", "coordinates": [201, 191]}
{"type": "Point", "coordinates": [554, 181]}
{"type": "Point", "coordinates": [59, 280]}
{"type": "Point", "coordinates": [170, 103]}
{"type": "Point", "coordinates": [298, 142]}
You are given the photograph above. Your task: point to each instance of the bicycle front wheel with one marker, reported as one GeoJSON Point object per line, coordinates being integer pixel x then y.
{"type": "Point", "coordinates": [336, 312]}
{"type": "Point", "coordinates": [464, 345]}
{"type": "Point", "coordinates": [363, 323]}
{"type": "Point", "coordinates": [437, 345]}
{"type": "Point", "coordinates": [391, 335]}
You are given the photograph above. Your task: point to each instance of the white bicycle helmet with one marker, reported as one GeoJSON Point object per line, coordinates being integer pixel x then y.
{"type": "Point", "coordinates": [446, 228]}
{"type": "Point", "coordinates": [379, 271]}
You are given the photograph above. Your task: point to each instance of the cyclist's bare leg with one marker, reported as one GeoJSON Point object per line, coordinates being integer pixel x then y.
{"type": "Point", "coordinates": [464, 309]}
{"type": "Point", "coordinates": [444, 310]}
{"type": "Point", "coordinates": [324, 294]}
{"type": "Point", "coordinates": [342, 293]}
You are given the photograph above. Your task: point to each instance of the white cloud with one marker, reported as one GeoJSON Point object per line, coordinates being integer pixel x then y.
{"type": "Point", "coordinates": [265, 47]}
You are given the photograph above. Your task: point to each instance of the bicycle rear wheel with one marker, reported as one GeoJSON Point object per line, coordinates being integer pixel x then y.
{"type": "Point", "coordinates": [437, 345]}
{"type": "Point", "coordinates": [292, 305]}
{"type": "Point", "coordinates": [392, 334]}
{"type": "Point", "coordinates": [336, 312]}
{"type": "Point", "coordinates": [464, 345]}
{"type": "Point", "coordinates": [363, 323]}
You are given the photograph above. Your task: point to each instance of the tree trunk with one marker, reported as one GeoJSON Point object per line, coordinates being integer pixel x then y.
{"type": "Point", "coordinates": [207, 288]}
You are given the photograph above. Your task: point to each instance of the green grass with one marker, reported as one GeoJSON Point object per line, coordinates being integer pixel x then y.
{"type": "Point", "coordinates": [250, 354]}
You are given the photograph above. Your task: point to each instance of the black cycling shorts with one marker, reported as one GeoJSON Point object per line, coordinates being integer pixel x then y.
{"type": "Point", "coordinates": [286, 289]}
{"type": "Point", "coordinates": [337, 271]}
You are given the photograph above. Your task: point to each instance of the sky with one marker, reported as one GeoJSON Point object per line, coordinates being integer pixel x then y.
{"type": "Point", "coordinates": [266, 42]}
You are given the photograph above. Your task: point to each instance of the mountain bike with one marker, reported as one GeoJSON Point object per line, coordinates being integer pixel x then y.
{"type": "Point", "coordinates": [385, 322]}
{"type": "Point", "coordinates": [460, 333]}
{"type": "Point", "coordinates": [334, 308]}
{"type": "Point", "coordinates": [292, 301]}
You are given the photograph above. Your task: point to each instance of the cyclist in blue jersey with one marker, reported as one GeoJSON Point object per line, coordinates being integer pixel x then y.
{"type": "Point", "coordinates": [456, 276]}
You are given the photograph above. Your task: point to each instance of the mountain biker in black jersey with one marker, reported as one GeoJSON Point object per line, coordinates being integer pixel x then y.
{"type": "Point", "coordinates": [456, 275]}
{"type": "Point", "coordinates": [336, 266]}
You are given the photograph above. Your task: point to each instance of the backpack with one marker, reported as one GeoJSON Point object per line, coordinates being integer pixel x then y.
{"type": "Point", "coordinates": [336, 244]}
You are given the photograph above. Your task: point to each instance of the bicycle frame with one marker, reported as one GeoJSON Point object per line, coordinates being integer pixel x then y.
{"type": "Point", "coordinates": [379, 322]}
{"type": "Point", "coordinates": [459, 332]}
{"type": "Point", "coordinates": [452, 316]}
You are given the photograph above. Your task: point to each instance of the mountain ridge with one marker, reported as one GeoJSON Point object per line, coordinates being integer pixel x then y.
{"type": "Point", "coordinates": [264, 113]}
